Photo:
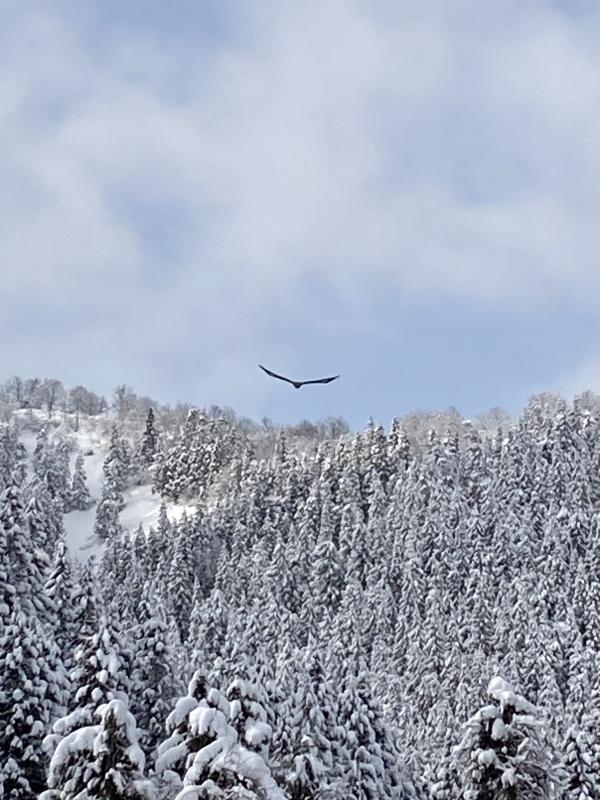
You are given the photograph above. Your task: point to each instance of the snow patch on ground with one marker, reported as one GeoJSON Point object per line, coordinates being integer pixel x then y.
{"type": "Point", "coordinates": [143, 506]}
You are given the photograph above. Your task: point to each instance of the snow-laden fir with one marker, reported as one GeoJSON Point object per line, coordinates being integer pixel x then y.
{"type": "Point", "coordinates": [196, 606]}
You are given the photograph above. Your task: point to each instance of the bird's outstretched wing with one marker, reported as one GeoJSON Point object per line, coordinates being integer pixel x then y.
{"type": "Point", "coordinates": [323, 380]}
{"type": "Point", "coordinates": [297, 384]}
{"type": "Point", "coordinates": [275, 375]}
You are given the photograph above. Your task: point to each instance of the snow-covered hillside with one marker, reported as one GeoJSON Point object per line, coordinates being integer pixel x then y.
{"type": "Point", "coordinates": [92, 439]}
{"type": "Point", "coordinates": [325, 625]}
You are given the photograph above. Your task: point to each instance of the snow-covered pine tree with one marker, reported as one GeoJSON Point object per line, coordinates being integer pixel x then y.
{"type": "Point", "coordinates": [581, 762]}
{"type": "Point", "coordinates": [12, 454]}
{"type": "Point", "coordinates": [79, 494]}
{"type": "Point", "coordinates": [99, 676]}
{"type": "Point", "coordinates": [27, 564]}
{"type": "Point", "coordinates": [7, 590]}
{"type": "Point", "coordinates": [149, 445]}
{"type": "Point", "coordinates": [160, 543]}
{"type": "Point", "coordinates": [115, 467]}
{"type": "Point", "coordinates": [154, 685]}
{"type": "Point", "coordinates": [31, 692]}
{"type": "Point", "coordinates": [374, 770]}
{"type": "Point", "coordinates": [223, 766]}
{"type": "Point", "coordinates": [117, 767]}
{"type": "Point", "coordinates": [173, 754]}
{"type": "Point", "coordinates": [52, 467]}
{"type": "Point", "coordinates": [140, 549]}
{"type": "Point", "coordinates": [105, 757]}
{"type": "Point", "coordinates": [248, 714]}
{"type": "Point", "coordinates": [107, 525]}
{"type": "Point", "coordinates": [41, 443]}
{"type": "Point", "coordinates": [318, 756]}
{"type": "Point", "coordinates": [86, 601]}
{"type": "Point", "coordinates": [505, 751]}
{"type": "Point", "coordinates": [38, 513]}
{"type": "Point", "coordinates": [60, 589]}
{"type": "Point", "coordinates": [181, 580]}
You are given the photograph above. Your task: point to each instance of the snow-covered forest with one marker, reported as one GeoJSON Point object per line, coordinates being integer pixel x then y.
{"type": "Point", "coordinates": [193, 605]}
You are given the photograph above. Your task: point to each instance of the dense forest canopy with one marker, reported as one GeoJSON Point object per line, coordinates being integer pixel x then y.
{"type": "Point", "coordinates": [401, 612]}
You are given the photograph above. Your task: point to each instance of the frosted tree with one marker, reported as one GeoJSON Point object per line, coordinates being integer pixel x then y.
{"type": "Point", "coordinates": [326, 581]}
{"type": "Point", "coordinates": [38, 514]}
{"type": "Point", "coordinates": [173, 754]}
{"type": "Point", "coordinates": [26, 564]}
{"type": "Point", "coordinates": [31, 691]}
{"type": "Point", "coordinates": [86, 602]}
{"type": "Point", "coordinates": [223, 766]}
{"type": "Point", "coordinates": [12, 454]}
{"type": "Point", "coordinates": [100, 672]}
{"type": "Point", "coordinates": [181, 582]}
{"type": "Point", "coordinates": [107, 524]}
{"type": "Point", "coordinates": [159, 538]}
{"type": "Point", "coordinates": [115, 466]}
{"type": "Point", "coordinates": [118, 761]}
{"type": "Point", "coordinates": [108, 757]}
{"type": "Point", "coordinates": [318, 756]}
{"type": "Point", "coordinates": [443, 779]}
{"type": "Point", "coordinates": [581, 762]}
{"type": "Point", "coordinates": [248, 715]}
{"type": "Point", "coordinates": [41, 443]}
{"type": "Point", "coordinates": [211, 633]}
{"type": "Point", "coordinates": [118, 578]}
{"type": "Point", "coordinates": [504, 752]}
{"type": "Point", "coordinates": [374, 765]}
{"type": "Point", "coordinates": [149, 446]}
{"type": "Point", "coordinates": [124, 400]}
{"type": "Point", "coordinates": [140, 548]}
{"type": "Point", "coordinates": [60, 589]}
{"type": "Point", "coordinates": [99, 676]}
{"type": "Point", "coordinates": [154, 686]}
{"type": "Point", "coordinates": [51, 465]}
{"type": "Point", "coordinates": [79, 495]}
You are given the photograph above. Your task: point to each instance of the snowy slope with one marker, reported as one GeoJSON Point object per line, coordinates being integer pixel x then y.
{"type": "Point", "coordinates": [92, 439]}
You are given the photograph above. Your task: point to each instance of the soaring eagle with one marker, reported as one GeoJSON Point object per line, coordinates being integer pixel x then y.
{"type": "Point", "coordinates": [296, 384]}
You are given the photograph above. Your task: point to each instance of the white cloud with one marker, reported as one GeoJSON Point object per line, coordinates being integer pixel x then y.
{"type": "Point", "coordinates": [430, 150]}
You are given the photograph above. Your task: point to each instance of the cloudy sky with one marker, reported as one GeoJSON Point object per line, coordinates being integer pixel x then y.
{"type": "Point", "coordinates": [406, 193]}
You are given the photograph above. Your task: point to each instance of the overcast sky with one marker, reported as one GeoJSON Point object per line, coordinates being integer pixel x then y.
{"type": "Point", "coordinates": [406, 193]}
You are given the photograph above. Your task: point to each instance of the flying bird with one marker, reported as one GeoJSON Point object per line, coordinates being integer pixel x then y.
{"type": "Point", "coordinates": [297, 384]}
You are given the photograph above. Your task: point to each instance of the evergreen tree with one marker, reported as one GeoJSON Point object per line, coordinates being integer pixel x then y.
{"type": "Point", "coordinates": [374, 764]}
{"type": "Point", "coordinates": [99, 676]}
{"type": "Point", "coordinates": [12, 454]}
{"type": "Point", "coordinates": [181, 581]}
{"type": "Point", "coordinates": [154, 683]}
{"type": "Point", "coordinates": [581, 762]}
{"type": "Point", "coordinates": [39, 515]}
{"type": "Point", "coordinates": [86, 602]}
{"type": "Point", "coordinates": [504, 751]}
{"type": "Point", "coordinates": [26, 564]}
{"type": "Point", "coordinates": [318, 757]}
{"type": "Point", "coordinates": [118, 764]}
{"type": "Point", "coordinates": [107, 755]}
{"type": "Point", "coordinates": [51, 466]}
{"type": "Point", "coordinates": [149, 447]}
{"type": "Point", "coordinates": [248, 715]}
{"type": "Point", "coordinates": [222, 766]}
{"type": "Point", "coordinates": [31, 691]}
{"type": "Point", "coordinates": [107, 525]}
{"type": "Point", "coordinates": [115, 467]}
{"type": "Point", "coordinates": [60, 589]}
{"type": "Point", "coordinates": [79, 495]}
{"type": "Point", "coordinates": [175, 751]}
